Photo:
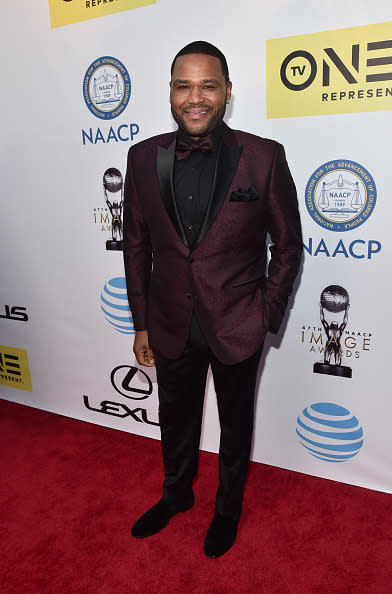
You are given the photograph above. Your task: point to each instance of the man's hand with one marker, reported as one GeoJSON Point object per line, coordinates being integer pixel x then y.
{"type": "Point", "coordinates": [141, 348]}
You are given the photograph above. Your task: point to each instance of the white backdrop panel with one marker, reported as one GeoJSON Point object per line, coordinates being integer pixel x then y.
{"type": "Point", "coordinates": [53, 237]}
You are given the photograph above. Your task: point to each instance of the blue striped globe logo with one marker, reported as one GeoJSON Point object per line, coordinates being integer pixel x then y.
{"type": "Point", "coordinates": [114, 304]}
{"type": "Point", "coordinates": [329, 432]}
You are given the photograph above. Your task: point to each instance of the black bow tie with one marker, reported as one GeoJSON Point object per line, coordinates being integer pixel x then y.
{"type": "Point", "coordinates": [205, 145]}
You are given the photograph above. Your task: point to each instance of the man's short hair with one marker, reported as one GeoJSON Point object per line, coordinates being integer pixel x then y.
{"type": "Point", "coordinates": [203, 47]}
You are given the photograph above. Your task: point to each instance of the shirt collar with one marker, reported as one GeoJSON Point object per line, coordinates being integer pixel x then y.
{"type": "Point", "coordinates": [216, 135]}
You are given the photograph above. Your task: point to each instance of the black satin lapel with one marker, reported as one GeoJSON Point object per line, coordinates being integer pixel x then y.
{"type": "Point", "coordinates": [165, 164]}
{"type": "Point", "coordinates": [226, 166]}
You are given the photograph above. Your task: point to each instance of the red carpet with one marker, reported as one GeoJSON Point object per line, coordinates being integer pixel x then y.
{"type": "Point", "coordinates": [71, 490]}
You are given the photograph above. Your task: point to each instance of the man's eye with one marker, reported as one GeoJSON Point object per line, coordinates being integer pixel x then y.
{"type": "Point", "coordinates": [183, 86]}
{"type": "Point", "coordinates": [209, 87]}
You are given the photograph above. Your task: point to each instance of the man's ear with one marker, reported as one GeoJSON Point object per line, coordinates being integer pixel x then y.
{"type": "Point", "coordinates": [228, 91]}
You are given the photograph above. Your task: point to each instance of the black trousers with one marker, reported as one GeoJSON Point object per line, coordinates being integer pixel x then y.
{"type": "Point", "coordinates": [181, 389]}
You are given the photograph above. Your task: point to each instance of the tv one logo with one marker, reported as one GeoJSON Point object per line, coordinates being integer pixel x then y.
{"type": "Point", "coordinates": [14, 368]}
{"type": "Point", "coordinates": [327, 73]}
{"type": "Point", "coordinates": [67, 12]}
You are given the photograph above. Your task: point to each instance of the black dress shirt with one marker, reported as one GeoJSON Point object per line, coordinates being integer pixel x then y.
{"type": "Point", "coordinates": [193, 180]}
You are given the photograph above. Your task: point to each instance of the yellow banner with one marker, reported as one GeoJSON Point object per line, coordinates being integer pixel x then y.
{"type": "Point", "coordinates": [14, 368]}
{"type": "Point", "coordinates": [340, 71]}
{"type": "Point", "coordinates": [66, 12]}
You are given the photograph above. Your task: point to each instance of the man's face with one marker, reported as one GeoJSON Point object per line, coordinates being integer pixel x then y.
{"type": "Point", "coordinates": [198, 93]}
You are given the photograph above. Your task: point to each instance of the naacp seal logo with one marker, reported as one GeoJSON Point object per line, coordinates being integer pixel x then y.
{"type": "Point", "coordinates": [340, 195]}
{"type": "Point", "coordinates": [106, 87]}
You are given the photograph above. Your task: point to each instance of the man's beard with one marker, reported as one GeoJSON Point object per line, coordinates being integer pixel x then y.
{"type": "Point", "coordinates": [203, 128]}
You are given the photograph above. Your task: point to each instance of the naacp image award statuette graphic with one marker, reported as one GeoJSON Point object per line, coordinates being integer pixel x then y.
{"type": "Point", "coordinates": [334, 306]}
{"type": "Point", "coordinates": [113, 192]}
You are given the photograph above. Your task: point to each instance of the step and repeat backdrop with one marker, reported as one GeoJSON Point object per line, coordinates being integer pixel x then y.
{"type": "Point", "coordinates": [83, 81]}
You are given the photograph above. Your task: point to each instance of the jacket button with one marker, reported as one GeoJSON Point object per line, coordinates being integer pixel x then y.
{"type": "Point", "coordinates": [190, 259]}
{"type": "Point", "coordinates": [188, 295]}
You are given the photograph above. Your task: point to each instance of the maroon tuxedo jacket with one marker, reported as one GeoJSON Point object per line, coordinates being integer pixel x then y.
{"type": "Point", "coordinates": [223, 278]}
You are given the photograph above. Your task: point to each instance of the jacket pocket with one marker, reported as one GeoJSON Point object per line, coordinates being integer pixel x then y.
{"type": "Point", "coordinates": [248, 281]}
{"type": "Point", "coordinates": [242, 195]}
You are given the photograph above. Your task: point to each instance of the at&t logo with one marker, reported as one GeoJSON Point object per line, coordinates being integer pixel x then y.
{"type": "Point", "coordinates": [329, 432]}
{"type": "Point", "coordinates": [114, 304]}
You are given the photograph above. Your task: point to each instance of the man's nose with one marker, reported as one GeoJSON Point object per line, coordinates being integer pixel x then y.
{"type": "Point", "coordinates": [196, 95]}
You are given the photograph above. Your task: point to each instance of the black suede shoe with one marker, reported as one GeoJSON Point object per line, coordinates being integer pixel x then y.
{"type": "Point", "coordinates": [156, 518]}
{"type": "Point", "coordinates": [221, 536]}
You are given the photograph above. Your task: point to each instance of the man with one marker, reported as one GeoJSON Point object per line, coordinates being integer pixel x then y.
{"type": "Point", "coordinates": [198, 205]}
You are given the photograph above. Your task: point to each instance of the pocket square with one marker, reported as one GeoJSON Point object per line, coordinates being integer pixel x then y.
{"type": "Point", "coordinates": [242, 195]}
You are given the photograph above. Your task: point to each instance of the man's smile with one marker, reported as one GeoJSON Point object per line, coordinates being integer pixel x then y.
{"type": "Point", "coordinates": [196, 113]}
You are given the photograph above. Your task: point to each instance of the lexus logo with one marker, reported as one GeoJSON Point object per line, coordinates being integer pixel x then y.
{"type": "Point", "coordinates": [131, 382]}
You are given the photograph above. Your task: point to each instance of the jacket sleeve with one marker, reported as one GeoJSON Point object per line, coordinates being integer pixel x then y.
{"type": "Point", "coordinates": [284, 227]}
{"type": "Point", "coordinates": [137, 249]}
